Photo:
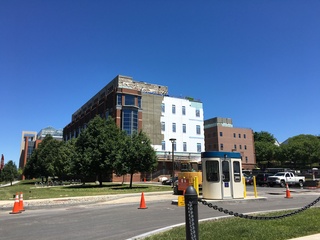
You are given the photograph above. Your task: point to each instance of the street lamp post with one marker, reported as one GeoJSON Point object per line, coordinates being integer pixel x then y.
{"type": "Point", "coordinates": [173, 140]}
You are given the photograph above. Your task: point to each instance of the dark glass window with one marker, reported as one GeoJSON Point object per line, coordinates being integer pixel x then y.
{"type": "Point", "coordinates": [119, 99]}
{"type": "Point", "coordinates": [212, 171]}
{"type": "Point", "coordinates": [198, 129]}
{"type": "Point", "coordinates": [236, 171]}
{"type": "Point", "coordinates": [198, 147]}
{"type": "Point", "coordinates": [129, 100]}
{"type": "Point", "coordinates": [163, 126]}
{"type": "Point", "coordinates": [173, 127]}
{"type": "Point", "coordinates": [173, 109]}
{"type": "Point", "coordinates": [226, 171]}
{"type": "Point", "coordinates": [130, 120]}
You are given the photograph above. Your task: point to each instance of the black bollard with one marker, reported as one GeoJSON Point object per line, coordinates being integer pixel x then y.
{"type": "Point", "coordinates": [191, 212]}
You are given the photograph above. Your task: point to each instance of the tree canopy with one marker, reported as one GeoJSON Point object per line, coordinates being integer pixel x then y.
{"type": "Point", "coordinates": [9, 172]}
{"type": "Point", "coordinates": [138, 156]}
{"type": "Point", "coordinates": [98, 148]}
{"type": "Point", "coordinates": [301, 151]}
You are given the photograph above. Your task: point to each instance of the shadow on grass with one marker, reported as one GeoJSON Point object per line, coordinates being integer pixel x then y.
{"type": "Point", "coordinates": [108, 186]}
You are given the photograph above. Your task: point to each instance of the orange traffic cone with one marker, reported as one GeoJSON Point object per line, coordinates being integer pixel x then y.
{"type": "Point", "coordinates": [16, 207]}
{"type": "Point", "coordinates": [21, 202]}
{"type": "Point", "coordinates": [142, 202]}
{"type": "Point", "coordinates": [288, 195]}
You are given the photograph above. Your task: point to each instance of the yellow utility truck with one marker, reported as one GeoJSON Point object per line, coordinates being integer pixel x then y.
{"type": "Point", "coordinates": [186, 176]}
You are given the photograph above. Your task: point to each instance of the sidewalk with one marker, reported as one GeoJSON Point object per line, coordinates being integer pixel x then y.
{"type": "Point", "coordinates": [309, 237]}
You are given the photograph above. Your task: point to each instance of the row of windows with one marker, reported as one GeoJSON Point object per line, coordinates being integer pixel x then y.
{"type": "Point", "coordinates": [184, 146]}
{"type": "Point", "coordinates": [184, 128]}
{"type": "Point", "coordinates": [234, 135]}
{"type": "Point", "coordinates": [234, 147]}
{"type": "Point", "coordinates": [183, 110]}
{"type": "Point", "coordinates": [221, 134]}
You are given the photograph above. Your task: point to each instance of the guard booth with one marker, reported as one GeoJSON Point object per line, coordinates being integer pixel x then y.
{"type": "Point", "coordinates": [221, 175]}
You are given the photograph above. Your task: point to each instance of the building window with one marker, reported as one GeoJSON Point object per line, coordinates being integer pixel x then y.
{"type": "Point", "coordinates": [212, 171]}
{"type": "Point", "coordinates": [163, 126]}
{"type": "Point", "coordinates": [163, 145]}
{"type": "Point", "coordinates": [183, 110]}
{"type": "Point", "coordinates": [174, 147]}
{"type": "Point", "coordinates": [246, 159]}
{"type": "Point", "coordinates": [239, 135]}
{"type": "Point", "coordinates": [198, 129]}
{"type": "Point", "coordinates": [240, 147]}
{"type": "Point", "coordinates": [235, 147]}
{"type": "Point", "coordinates": [163, 107]}
{"type": "Point", "coordinates": [221, 134]}
{"type": "Point", "coordinates": [221, 146]}
{"type": "Point", "coordinates": [173, 109]}
{"type": "Point", "coordinates": [139, 102]}
{"type": "Point", "coordinates": [244, 136]}
{"type": "Point", "coordinates": [184, 146]}
{"type": "Point", "coordinates": [129, 100]}
{"type": "Point", "coordinates": [184, 128]}
{"type": "Point", "coordinates": [245, 147]}
{"type": "Point", "coordinates": [198, 147]}
{"type": "Point", "coordinates": [173, 127]}
{"type": "Point", "coordinates": [130, 120]}
{"type": "Point", "coordinates": [197, 113]}
{"type": "Point", "coordinates": [119, 99]}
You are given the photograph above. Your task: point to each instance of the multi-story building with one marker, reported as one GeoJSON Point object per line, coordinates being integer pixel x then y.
{"type": "Point", "coordinates": [28, 144]}
{"type": "Point", "coordinates": [143, 106]}
{"type": "Point", "coordinates": [56, 134]}
{"type": "Point", "coordinates": [220, 135]}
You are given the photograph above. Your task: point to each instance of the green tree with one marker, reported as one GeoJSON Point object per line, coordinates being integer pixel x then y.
{"type": "Point", "coordinates": [98, 148]}
{"type": "Point", "coordinates": [139, 155]}
{"type": "Point", "coordinates": [63, 165]}
{"type": "Point", "coordinates": [43, 159]}
{"type": "Point", "coordinates": [301, 151]}
{"type": "Point", "coordinates": [264, 137]}
{"type": "Point", "coordinates": [265, 153]}
{"type": "Point", "coordinates": [31, 168]}
{"type": "Point", "coordinates": [9, 172]}
{"type": "Point", "coordinates": [265, 148]}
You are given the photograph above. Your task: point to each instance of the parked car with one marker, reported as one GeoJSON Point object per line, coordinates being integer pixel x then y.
{"type": "Point", "coordinates": [169, 181]}
{"type": "Point", "coordinates": [262, 179]}
{"type": "Point", "coordinates": [283, 178]}
{"type": "Point", "coordinates": [249, 178]}
{"type": "Point", "coordinates": [162, 178]}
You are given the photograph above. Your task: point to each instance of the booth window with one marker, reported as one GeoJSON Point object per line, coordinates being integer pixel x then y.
{"type": "Point", "coordinates": [236, 171]}
{"type": "Point", "coordinates": [212, 171]}
{"type": "Point", "coordinates": [226, 171]}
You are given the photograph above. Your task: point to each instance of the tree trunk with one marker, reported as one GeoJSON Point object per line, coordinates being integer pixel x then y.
{"type": "Point", "coordinates": [131, 177]}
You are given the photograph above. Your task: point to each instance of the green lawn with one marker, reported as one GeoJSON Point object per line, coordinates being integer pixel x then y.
{"type": "Point", "coordinates": [302, 224]}
{"type": "Point", "coordinates": [30, 191]}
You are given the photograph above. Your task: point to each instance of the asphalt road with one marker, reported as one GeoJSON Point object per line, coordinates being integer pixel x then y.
{"type": "Point", "coordinates": [125, 221]}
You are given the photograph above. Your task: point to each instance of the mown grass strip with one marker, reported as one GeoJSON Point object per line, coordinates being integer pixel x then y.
{"type": "Point", "coordinates": [30, 191]}
{"type": "Point", "coordinates": [302, 224]}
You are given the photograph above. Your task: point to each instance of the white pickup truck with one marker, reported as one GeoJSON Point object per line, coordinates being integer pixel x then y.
{"type": "Point", "coordinates": [283, 178]}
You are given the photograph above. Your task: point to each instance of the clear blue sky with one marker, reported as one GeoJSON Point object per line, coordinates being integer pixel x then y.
{"type": "Point", "coordinates": [257, 62]}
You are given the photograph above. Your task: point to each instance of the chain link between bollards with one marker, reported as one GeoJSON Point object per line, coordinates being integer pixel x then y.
{"type": "Point", "coordinates": [240, 215]}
